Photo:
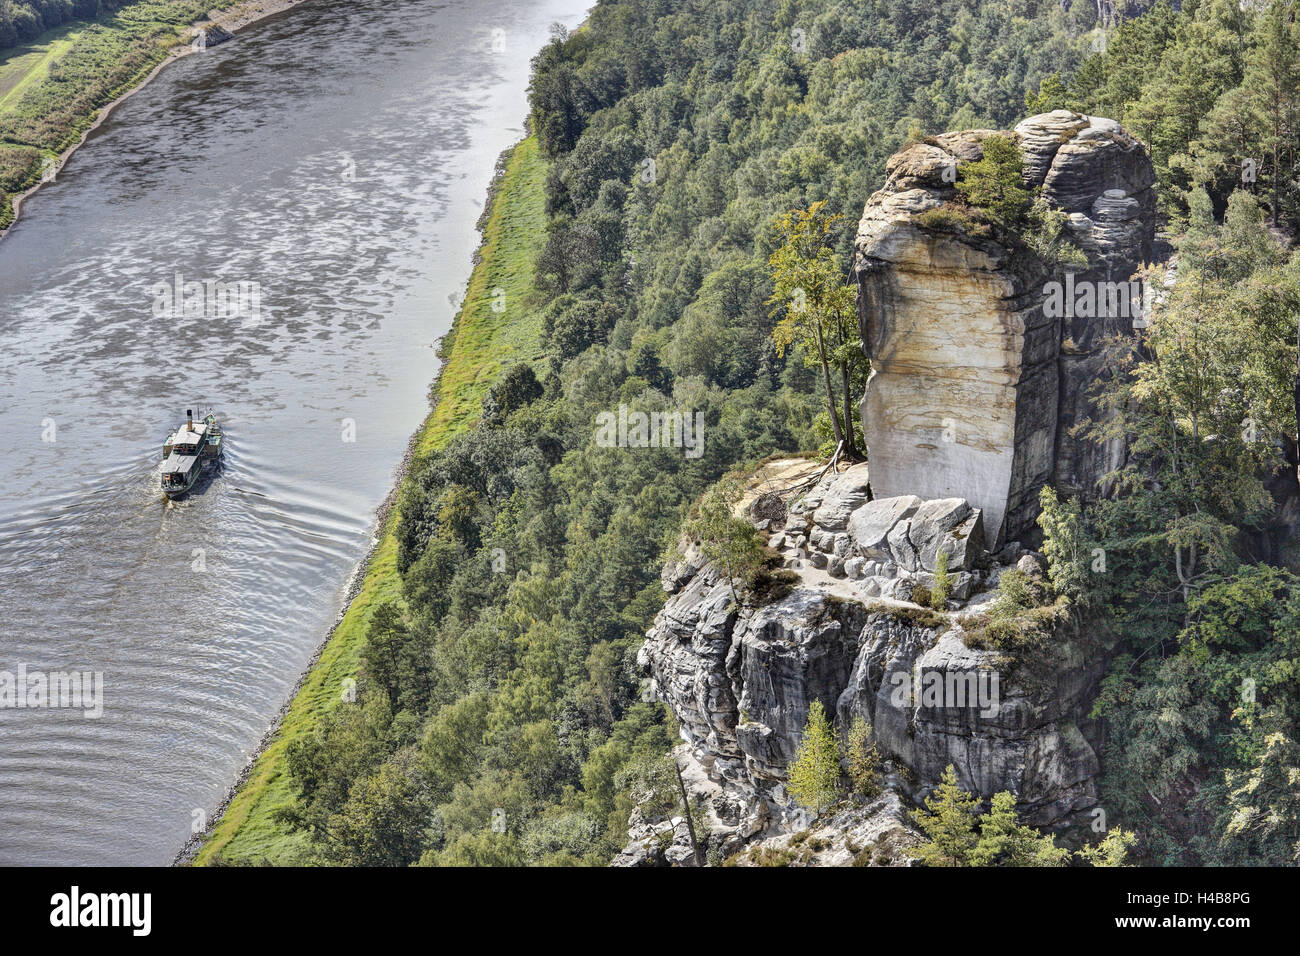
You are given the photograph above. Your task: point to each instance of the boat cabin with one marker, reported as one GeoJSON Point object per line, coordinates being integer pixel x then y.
{"type": "Point", "coordinates": [188, 439]}
{"type": "Point", "coordinates": [187, 451]}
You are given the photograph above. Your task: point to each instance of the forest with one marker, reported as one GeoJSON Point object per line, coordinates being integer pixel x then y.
{"type": "Point", "coordinates": [500, 718]}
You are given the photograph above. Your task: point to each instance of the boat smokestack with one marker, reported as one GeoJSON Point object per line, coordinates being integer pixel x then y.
{"type": "Point", "coordinates": [189, 419]}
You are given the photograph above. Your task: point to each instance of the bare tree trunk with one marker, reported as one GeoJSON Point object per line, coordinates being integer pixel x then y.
{"type": "Point", "coordinates": [686, 808]}
{"type": "Point", "coordinates": [1295, 402]}
{"type": "Point", "coordinates": [830, 392]}
{"type": "Point", "coordinates": [850, 439]}
{"type": "Point", "coordinates": [1277, 175]}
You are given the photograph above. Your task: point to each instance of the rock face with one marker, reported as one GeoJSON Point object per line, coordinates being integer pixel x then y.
{"type": "Point", "coordinates": [932, 702]}
{"type": "Point", "coordinates": [975, 381]}
{"type": "Point", "coordinates": [1102, 178]}
{"type": "Point", "coordinates": [741, 680]}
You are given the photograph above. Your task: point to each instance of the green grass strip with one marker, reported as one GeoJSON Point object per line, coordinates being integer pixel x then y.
{"type": "Point", "coordinates": [482, 342]}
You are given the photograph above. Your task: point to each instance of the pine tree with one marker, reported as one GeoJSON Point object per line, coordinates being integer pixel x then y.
{"type": "Point", "coordinates": [949, 821]}
{"type": "Point", "coordinates": [863, 760]}
{"type": "Point", "coordinates": [1112, 851]}
{"type": "Point", "coordinates": [951, 818]}
{"type": "Point", "coordinates": [1005, 841]}
{"type": "Point", "coordinates": [1273, 80]}
{"type": "Point", "coordinates": [815, 774]}
{"type": "Point", "coordinates": [995, 183]}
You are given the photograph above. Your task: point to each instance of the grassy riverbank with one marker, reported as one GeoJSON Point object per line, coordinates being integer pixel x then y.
{"type": "Point", "coordinates": [53, 90]}
{"type": "Point", "coordinates": [514, 231]}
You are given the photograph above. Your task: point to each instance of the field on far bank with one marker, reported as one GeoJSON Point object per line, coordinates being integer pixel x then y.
{"type": "Point", "coordinates": [514, 232]}
{"type": "Point", "coordinates": [53, 89]}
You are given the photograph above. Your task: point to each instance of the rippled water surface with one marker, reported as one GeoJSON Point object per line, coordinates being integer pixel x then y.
{"type": "Point", "coordinates": [338, 156]}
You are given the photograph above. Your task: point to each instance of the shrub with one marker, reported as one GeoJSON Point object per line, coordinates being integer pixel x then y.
{"type": "Point", "coordinates": [942, 583]}
{"type": "Point", "coordinates": [995, 183]}
{"type": "Point", "coordinates": [952, 218]}
{"type": "Point", "coordinates": [1019, 621]}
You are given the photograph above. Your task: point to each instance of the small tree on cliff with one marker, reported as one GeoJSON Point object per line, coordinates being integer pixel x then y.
{"type": "Point", "coordinates": [995, 183]}
{"type": "Point", "coordinates": [815, 774]}
{"type": "Point", "coordinates": [817, 311]}
{"type": "Point", "coordinates": [863, 760]}
{"type": "Point", "coordinates": [949, 821]}
{"type": "Point", "coordinates": [724, 538]}
{"type": "Point", "coordinates": [1005, 841]}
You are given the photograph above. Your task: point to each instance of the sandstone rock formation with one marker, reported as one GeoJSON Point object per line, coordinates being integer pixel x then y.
{"type": "Point", "coordinates": [847, 633]}
{"type": "Point", "coordinates": [1103, 179]}
{"type": "Point", "coordinates": [974, 385]}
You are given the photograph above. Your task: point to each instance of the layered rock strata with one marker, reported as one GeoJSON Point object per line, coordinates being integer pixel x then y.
{"type": "Point", "coordinates": [976, 382]}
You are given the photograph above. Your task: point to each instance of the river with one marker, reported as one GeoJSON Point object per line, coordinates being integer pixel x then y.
{"type": "Point", "coordinates": [333, 161]}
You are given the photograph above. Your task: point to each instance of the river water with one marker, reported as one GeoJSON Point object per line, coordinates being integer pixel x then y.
{"type": "Point", "coordinates": [334, 161]}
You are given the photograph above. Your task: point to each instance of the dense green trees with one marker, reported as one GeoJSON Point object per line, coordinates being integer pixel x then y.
{"type": "Point", "coordinates": [1213, 88]}
{"type": "Point", "coordinates": [504, 702]}
{"type": "Point", "coordinates": [959, 833]}
{"type": "Point", "coordinates": [23, 20]}
{"type": "Point", "coordinates": [1177, 562]}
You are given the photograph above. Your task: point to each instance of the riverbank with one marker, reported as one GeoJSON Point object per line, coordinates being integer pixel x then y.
{"type": "Point", "coordinates": [55, 91]}
{"type": "Point", "coordinates": [513, 230]}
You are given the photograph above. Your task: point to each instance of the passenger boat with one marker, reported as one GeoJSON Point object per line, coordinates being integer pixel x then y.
{"type": "Point", "coordinates": [187, 453]}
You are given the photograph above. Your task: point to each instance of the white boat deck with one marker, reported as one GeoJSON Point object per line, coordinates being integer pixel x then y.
{"type": "Point", "coordinates": [184, 436]}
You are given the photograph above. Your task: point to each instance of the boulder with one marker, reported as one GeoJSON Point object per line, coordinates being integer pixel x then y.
{"type": "Point", "coordinates": [1031, 565]}
{"type": "Point", "coordinates": [947, 525]}
{"type": "Point", "coordinates": [869, 525]}
{"type": "Point", "coordinates": [846, 492]}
